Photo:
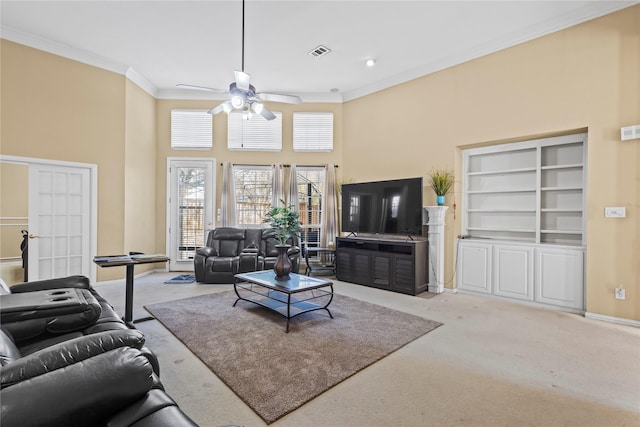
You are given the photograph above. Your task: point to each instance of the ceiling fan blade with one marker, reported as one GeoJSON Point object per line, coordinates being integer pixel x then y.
{"type": "Point", "coordinates": [221, 107]}
{"type": "Point", "coordinates": [267, 114]}
{"type": "Point", "coordinates": [207, 89]}
{"type": "Point", "coordinates": [242, 80]}
{"type": "Point", "coordinates": [275, 97]}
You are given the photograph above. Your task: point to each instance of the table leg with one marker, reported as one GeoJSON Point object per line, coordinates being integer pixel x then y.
{"type": "Point", "coordinates": [288, 311]}
{"type": "Point", "coordinates": [128, 298]}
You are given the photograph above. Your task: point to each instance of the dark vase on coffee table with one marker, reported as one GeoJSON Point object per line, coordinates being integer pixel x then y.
{"type": "Point", "coordinates": [283, 265]}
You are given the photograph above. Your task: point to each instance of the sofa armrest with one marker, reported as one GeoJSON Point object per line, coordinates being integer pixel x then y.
{"type": "Point", "coordinates": [80, 282]}
{"type": "Point", "coordinates": [155, 409]}
{"type": "Point", "coordinates": [250, 250]}
{"type": "Point", "coordinates": [248, 260]}
{"type": "Point", "coordinates": [293, 251]}
{"type": "Point", "coordinates": [80, 394]}
{"type": "Point", "coordinates": [207, 251]}
{"type": "Point", "coordinates": [67, 353]}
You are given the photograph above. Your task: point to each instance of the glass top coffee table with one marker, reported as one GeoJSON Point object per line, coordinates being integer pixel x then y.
{"type": "Point", "coordinates": [289, 298]}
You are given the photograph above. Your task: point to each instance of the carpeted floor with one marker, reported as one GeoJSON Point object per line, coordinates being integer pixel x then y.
{"type": "Point", "coordinates": [274, 372]}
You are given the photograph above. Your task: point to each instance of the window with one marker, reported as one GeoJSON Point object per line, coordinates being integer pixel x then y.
{"type": "Point", "coordinates": [191, 199]}
{"type": "Point", "coordinates": [256, 134]}
{"type": "Point", "coordinates": [313, 131]}
{"type": "Point", "coordinates": [191, 129]}
{"type": "Point", "coordinates": [310, 191]}
{"type": "Point", "coordinates": [253, 193]}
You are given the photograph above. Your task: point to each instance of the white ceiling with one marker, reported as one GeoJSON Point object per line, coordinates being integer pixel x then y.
{"type": "Point", "coordinates": [159, 44]}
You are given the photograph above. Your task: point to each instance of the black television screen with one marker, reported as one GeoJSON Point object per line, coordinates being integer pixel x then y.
{"type": "Point", "coordinates": [383, 207]}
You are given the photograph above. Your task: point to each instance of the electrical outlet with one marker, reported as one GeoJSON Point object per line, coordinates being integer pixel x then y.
{"type": "Point", "coordinates": [615, 212]}
{"type": "Point", "coordinates": [620, 293]}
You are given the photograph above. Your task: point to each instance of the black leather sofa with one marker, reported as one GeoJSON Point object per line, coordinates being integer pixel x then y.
{"type": "Point", "coordinates": [67, 359]}
{"type": "Point", "coordinates": [229, 251]}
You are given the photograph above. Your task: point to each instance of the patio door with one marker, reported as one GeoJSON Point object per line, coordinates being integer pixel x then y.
{"type": "Point", "coordinates": [191, 208]}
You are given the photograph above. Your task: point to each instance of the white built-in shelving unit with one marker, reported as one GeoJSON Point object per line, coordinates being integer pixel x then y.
{"type": "Point", "coordinates": [528, 195]}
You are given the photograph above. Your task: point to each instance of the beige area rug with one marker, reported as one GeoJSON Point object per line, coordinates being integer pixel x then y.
{"type": "Point", "coordinates": [276, 372]}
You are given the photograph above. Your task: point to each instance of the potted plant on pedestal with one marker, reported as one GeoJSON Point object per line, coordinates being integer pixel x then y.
{"type": "Point", "coordinates": [441, 181]}
{"type": "Point", "coordinates": [285, 223]}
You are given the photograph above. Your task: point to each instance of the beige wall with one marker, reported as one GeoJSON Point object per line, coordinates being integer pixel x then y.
{"type": "Point", "coordinates": [587, 76]}
{"type": "Point", "coordinates": [14, 203]}
{"type": "Point", "coordinates": [59, 109]}
{"type": "Point", "coordinates": [140, 174]}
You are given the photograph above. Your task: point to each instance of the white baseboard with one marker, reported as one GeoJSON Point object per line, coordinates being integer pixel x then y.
{"type": "Point", "coordinates": [612, 319]}
{"type": "Point", "coordinates": [145, 273]}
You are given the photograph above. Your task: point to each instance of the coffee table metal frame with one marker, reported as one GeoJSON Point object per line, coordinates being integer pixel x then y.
{"type": "Point", "coordinates": [289, 298]}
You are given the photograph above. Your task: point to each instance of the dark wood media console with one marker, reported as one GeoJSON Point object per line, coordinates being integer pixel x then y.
{"type": "Point", "coordinates": [394, 265]}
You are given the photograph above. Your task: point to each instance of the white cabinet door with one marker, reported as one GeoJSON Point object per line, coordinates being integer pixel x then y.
{"type": "Point", "coordinates": [513, 271]}
{"type": "Point", "coordinates": [475, 267]}
{"type": "Point", "coordinates": [559, 277]}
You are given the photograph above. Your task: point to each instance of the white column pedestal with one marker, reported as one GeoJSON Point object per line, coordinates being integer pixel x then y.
{"type": "Point", "coordinates": [433, 216]}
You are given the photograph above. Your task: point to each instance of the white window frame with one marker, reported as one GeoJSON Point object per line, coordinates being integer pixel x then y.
{"type": "Point", "coordinates": [191, 130]}
{"type": "Point", "coordinates": [313, 131]}
{"type": "Point", "coordinates": [255, 134]}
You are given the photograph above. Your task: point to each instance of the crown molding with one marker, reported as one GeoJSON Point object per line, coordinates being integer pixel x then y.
{"type": "Point", "coordinates": [195, 95]}
{"type": "Point", "coordinates": [561, 22]}
{"type": "Point", "coordinates": [142, 81]}
{"type": "Point", "coordinates": [63, 50]}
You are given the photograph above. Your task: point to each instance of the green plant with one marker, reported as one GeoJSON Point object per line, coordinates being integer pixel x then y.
{"type": "Point", "coordinates": [284, 221]}
{"type": "Point", "coordinates": [441, 181]}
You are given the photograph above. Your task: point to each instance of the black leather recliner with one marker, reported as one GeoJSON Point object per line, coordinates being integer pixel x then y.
{"type": "Point", "coordinates": [67, 359]}
{"type": "Point", "coordinates": [102, 379]}
{"type": "Point", "coordinates": [33, 332]}
{"type": "Point", "coordinates": [231, 250]}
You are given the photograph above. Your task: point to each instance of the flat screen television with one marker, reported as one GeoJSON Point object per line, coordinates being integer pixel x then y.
{"type": "Point", "coordinates": [383, 207]}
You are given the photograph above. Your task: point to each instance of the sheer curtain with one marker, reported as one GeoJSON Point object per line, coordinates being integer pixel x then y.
{"type": "Point", "coordinates": [329, 208]}
{"type": "Point", "coordinates": [228, 199]}
{"type": "Point", "coordinates": [292, 194]}
{"type": "Point", "coordinates": [278, 185]}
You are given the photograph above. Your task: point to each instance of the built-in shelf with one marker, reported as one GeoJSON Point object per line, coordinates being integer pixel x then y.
{"type": "Point", "coordinates": [514, 190]}
{"type": "Point", "coordinates": [500, 172]}
{"type": "Point", "coordinates": [501, 210]}
{"type": "Point", "coordinates": [561, 189]}
{"type": "Point", "coordinates": [513, 230]}
{"type": "Point", "coordinates": [573, 166]}
{"type": "Point", "coordinates": [534, 187]}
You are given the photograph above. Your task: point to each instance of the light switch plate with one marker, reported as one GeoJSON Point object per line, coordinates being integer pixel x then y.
{"type": "Point", "coordinates": [615, 212]}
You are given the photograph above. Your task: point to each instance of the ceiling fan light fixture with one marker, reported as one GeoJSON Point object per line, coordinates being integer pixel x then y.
{"type": "Point", "coordinates": [227, 107]}
{"type": "Point", "coordinates": [237, 100]}
{"type": "Point", "coordinates": [246, 114]}
{"type": "Point", "coordinates": [257, 107]}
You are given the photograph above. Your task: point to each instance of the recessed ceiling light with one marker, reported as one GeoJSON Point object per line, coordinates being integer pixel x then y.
{"type": "Point", "coordinates": [335, 89]}
{"type": "Point", "coordinates": [370, 62]}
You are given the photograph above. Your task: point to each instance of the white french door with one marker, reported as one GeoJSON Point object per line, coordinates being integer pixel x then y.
{"type": "Point", "coordinates": [191, 207]}
{"type": "Point", "coordinates": [59, 221]}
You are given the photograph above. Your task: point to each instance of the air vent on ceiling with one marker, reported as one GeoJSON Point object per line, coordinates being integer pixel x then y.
{"type": "Point", "coordinates": [319, 51]}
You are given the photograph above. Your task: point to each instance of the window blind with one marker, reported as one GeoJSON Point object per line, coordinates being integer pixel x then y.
{"type": "Point", "coordinates": [312, 131]}
{"type": "Point", "coordinates": [191, 129]}
{"type": "Point", "coordinates": [256, 134]}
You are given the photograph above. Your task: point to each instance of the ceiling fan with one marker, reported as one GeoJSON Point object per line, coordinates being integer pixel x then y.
{"type": "Point", "coordinates": [243, 95]}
